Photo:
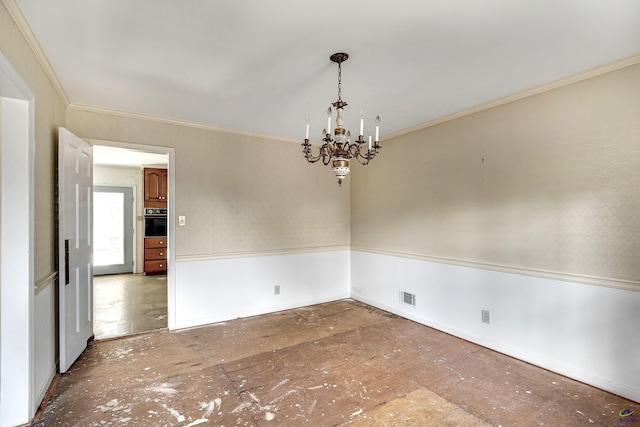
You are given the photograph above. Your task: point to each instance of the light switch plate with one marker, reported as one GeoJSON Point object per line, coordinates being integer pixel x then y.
{"type": "Point", "coordinates": [182, 220]}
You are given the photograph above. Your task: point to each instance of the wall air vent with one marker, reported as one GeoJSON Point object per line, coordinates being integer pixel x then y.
{"type": "Point", "coordinates": [408, 298]}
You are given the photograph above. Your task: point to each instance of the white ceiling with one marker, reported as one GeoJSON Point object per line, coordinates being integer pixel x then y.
{"type": "Point", "coordinates": [262, 66]}
{"type": "Point", "coordinates": [114, 156]}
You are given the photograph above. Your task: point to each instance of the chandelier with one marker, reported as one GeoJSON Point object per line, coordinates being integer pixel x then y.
{"type": "Point", "coordinates": [339, 149]}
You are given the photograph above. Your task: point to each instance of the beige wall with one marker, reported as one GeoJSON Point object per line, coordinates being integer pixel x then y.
{"type": "Point", "coordinates": [241, 194]}
{"type": "Point", "coordinates": [549, 183]}
{"type": "Point", "coordinates": [50, 109]}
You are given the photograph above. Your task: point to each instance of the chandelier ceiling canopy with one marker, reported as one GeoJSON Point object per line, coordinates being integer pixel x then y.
{"type": "Point", "coordinates": [338, 149]}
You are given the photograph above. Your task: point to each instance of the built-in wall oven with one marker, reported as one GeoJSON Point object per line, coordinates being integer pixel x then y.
{"type": "Point", "coordinates": [155, 222]}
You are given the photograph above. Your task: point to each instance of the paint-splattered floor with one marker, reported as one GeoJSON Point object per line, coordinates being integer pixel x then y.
{"type": "Point", "coordinates": [340, 363]}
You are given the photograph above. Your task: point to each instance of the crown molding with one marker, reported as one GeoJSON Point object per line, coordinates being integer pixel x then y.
{"type": "Point", "coordinates": [32, 41]}
{"type": "Point", "coordinates": [176, 122]}
{"type": "Point", "coordinates": [593, 72]}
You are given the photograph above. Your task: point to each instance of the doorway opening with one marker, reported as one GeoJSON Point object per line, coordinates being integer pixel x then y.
{"type": "Point", "coordinates": [126, 300]}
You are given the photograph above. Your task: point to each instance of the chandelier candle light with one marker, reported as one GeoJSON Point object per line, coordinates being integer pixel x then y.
{"type": "Point", "coordinates": [339, 149]}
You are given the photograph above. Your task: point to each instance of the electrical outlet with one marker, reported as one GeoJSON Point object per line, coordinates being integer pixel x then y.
{"type": "Point", "coordinates": [486, 316]}
{"type": "Point", "coordinates": [276, 290]}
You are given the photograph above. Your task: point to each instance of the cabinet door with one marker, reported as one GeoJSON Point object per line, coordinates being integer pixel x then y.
{"type": "Point", "coordinates": [152, 184]}
{"type": "Point", "coordinates": [155, 188]}
{"type": "Point", "coordinates": [164, 184]}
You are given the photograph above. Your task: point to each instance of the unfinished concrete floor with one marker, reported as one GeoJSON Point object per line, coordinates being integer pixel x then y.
{"type": "Point", "coordinates": [341, 363]}
{"type": "Point", "coordinates": [126, 304]}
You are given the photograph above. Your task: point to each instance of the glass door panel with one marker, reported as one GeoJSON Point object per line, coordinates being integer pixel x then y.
{"type": "Point", "coordinates": [112, 230]}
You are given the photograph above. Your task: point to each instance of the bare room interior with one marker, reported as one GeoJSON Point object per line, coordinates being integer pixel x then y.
{"type": "Point", "coordinates": [319, 213]}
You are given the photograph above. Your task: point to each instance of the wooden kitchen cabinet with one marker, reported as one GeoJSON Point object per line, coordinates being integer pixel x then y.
{"type": "Point", "coordinates": [156, 188]}
{"type": "Point", "coordinates": [155, 255]}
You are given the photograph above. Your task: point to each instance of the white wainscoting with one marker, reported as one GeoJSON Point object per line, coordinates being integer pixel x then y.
{"type": "Point", "coordinates": [586, 332]}
{"type": "Point", "coordinates": [44, 337]}
{"type": "Point", "coordinates": [215, 290]}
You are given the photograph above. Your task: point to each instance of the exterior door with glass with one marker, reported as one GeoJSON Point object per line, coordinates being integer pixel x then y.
{"type": "Point", "coordinates": [112, 230]}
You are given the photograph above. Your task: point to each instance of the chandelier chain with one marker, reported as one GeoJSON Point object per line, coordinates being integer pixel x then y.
{"type": "Point", "coordinates": [339, 82]}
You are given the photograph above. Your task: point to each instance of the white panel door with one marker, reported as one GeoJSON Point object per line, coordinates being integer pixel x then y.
{"type": "Point", "coordinates": [75, 190]}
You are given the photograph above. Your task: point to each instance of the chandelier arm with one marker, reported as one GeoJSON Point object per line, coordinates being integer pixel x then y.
{"type": "Point", "coordinates": [313, 159]}
{"type": "Point", "coordinates": [326, 151]}
{"type": "Point", "coordinates": [363, 159]}
{"type": "Point", "coordinates": [308, 154]}
{"type": "Point", "coordinates": [354, 151]}
{"type": "Point", "coordinates": [329, 149]}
